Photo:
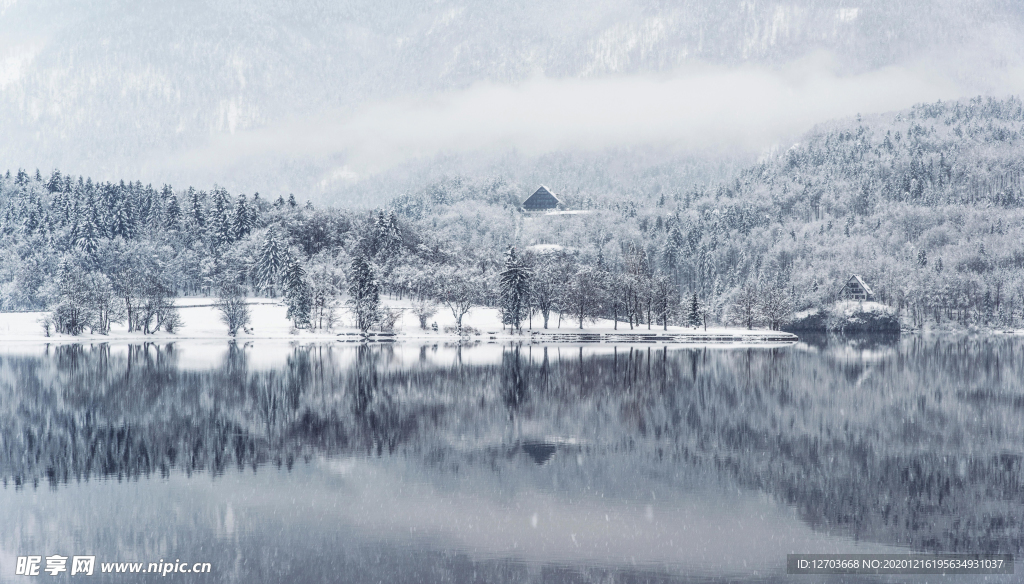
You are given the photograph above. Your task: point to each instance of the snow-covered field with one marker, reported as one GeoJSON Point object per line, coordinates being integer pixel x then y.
{"type": "Point", "coordinates": [201, 321]}
{"type": "Point", "coordinates": [850, 307]}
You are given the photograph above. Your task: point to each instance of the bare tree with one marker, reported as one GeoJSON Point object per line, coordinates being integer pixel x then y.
{"type": "Point", "coordinates": [544, 291]}
{"type": "Point", "coordinates": [424, 309]}
{"type": "Point", "coordinates": [585, 293]}
{"type": "Point", "coordinates": [636, 285]}
{"type": "Point", "coordinates": [156, 307]}
{"type": "Point", "coordinates": [234, 312]}
{"type": "Point", "coordinates": [106, 306]}
{"type": "Point", "coordinates": [705, 311]}
{"type": "Point", "coordinates": [775, 306]}
{"type": "Point", "coordinates": [628, 289]}
{"type": "Point", "coordinates": [126, 266]}
{"type": "Point", "coordinates": [648, 300]}
{"type": "Point", "coordinates": [745, 305]}
{"type": "Point", "coordinates": [457, 291]}
{"type": "Point", "coordinates": [389, 317]}
{"type": "Point", "coordinates": [664, 298]}
{"type": "Point", "coordinates": [326, 286]}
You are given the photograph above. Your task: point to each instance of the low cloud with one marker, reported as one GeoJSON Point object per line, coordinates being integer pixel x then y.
{"type": "Point", "coordinates": [702, 109]}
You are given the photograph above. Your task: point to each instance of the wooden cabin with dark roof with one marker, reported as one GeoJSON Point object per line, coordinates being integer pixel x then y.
{"type": "Point", "coordinates": [541, 200]}
{"type": "Point", "coordinates": [856, 289]}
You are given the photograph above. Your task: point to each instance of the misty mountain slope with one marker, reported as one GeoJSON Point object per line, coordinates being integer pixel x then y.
{"type": "Point", "coordinates": [926, 203]}
{"type": "Point", "coordinates": [118, 88]}
{"type": "Point", "coordinates": [965, 152]}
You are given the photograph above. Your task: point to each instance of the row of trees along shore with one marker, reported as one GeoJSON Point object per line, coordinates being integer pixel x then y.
{"type": "Point", "coordinates": [100, 254]}
{"type": "Point", "coordinates": [926, 204]}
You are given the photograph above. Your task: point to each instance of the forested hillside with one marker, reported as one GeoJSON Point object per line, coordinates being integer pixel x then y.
{"type": "Point", "coordinates": [925, 204]}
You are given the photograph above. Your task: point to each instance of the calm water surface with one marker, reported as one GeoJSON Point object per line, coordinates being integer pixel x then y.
{"type": "Point", "coordinates": [491, 463]}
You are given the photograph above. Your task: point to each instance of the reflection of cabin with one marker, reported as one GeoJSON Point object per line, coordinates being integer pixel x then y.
{"type": "Point", "coordinates": [542, 200]}
{"type": "Point", "coordinates": [856, 289]}
{"type": "Point", "coordinates": [540, 452]}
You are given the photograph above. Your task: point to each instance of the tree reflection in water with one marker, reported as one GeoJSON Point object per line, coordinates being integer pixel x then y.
{"type": "Point", "coordinates": [916, 442]}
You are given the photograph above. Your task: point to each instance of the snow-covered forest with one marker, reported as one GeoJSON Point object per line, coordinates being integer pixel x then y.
{"type": "Point", "coordinates": [926, 204]}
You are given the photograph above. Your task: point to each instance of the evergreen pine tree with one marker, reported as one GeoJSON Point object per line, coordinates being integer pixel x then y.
{"type": "Point", "coordinates": [220, 228]}
{"type": "Point", "coordinates": [88, 235]}
{"type": "Point", "coordinates": [270, 263]}
{"type": "Point", "coordinates": [107, 209]}
{"type": "Point", "coordinates": [196, 215]}
{"type": "Point", "coordinates": [515, 286]}
{"type": "Point", "coordinates": [122, 223]}
{"type": "Point", "coordinates": [255, 209]}
{"type": "Point", "coordinates": [298, 295]}
{"type": "Point", "coordinates": [32, 221]}
{"type": "Point", "coordinates": [694, 316]}
{"type": "Point", "coordinates": [243, 223]}
{"type": "Point", "coordinates": [364, 294]}
{"type": "Point", "coordinates": [670, 256]}
{"type": "Point", "coordinates": [55, 183]}
{"type": "Point", "coordinates": [71, 206]}
{"type": "Point", "coordinates": [58, 209]}
{"type": "Point", "coordinates": [377, 234]}
{"type": "Point", "coordinates": [388, 235]}
{"type": "Point", "coordinates": [147, 206]}
{"type": "Point", "coordinates": [172, 214]}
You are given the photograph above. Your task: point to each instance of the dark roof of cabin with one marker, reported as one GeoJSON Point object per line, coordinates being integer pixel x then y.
{"type": "Point", "coordinates": [541, 199]}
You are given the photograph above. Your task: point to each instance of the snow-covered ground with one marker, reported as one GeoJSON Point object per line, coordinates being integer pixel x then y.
{"type": "Point", "coordinates": [545, 248]}
{"type": "Point", "coordinates": [201, 321]}
{"type": "Point", "coordinates": [851, 307]}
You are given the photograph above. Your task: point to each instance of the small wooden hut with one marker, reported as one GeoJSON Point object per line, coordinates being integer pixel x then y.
{"type": "Point", "coordinates": [856, 289]}
{"type": "Point", "coordinates": [541, 200]}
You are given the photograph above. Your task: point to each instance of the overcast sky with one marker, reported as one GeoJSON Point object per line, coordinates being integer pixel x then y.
{"type": "Point", "coordinates": [307, 97]}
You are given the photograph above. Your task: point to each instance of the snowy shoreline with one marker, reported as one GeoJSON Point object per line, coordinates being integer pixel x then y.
{"type": "Point", "coordinates": [201, 322]}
